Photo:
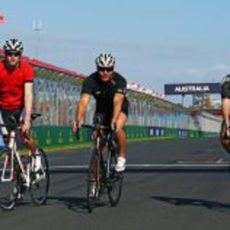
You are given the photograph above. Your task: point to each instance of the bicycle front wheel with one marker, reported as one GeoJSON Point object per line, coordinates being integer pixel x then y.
{"type": "Point", "coordinates": [115, 179]}
{"type": "Point", "coordinates": [9, 184]}
{"type": "Point", "coordinates": [39, 183]}
{"type": "Point", "coordinates": [93, 180]}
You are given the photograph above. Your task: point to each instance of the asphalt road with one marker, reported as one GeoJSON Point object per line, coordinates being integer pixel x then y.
{"type": "Point", "coordinates": [150, 200]}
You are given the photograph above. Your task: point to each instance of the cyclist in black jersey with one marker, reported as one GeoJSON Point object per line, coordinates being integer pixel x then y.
{"type": "Point", "coordinates": [109, 89]}
{"type": "Point", "coordinates": [225, 126]}
{"type": "Point", "coordinates": [225, 95]}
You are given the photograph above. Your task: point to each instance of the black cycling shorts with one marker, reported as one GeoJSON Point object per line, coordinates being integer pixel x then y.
{"type": "Point", "coordinates": [6, 114]}
{"type": "Point", "coordinates": [105, 118]}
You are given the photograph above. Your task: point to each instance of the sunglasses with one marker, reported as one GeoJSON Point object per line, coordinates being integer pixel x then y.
{"type": "Point", "coordinates": [16, 54]}
{"type": "Point", "coordinates": [110, 69]}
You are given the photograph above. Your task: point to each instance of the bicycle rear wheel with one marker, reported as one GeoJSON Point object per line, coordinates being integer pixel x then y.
{"type": "Point", "coordinates": [9, 187]}
{"type": "Point", "coordinates": [115, 179]}
{"type": "Point", "coordinates": [39, 183]}
{"type": "Point", "coordinates": [93, 180]}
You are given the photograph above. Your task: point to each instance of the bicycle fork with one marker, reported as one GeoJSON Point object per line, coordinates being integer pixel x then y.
{"type": "Point", "coordinates": [9, 163]}
{"type": "Point", "coordinates": [9, 160]}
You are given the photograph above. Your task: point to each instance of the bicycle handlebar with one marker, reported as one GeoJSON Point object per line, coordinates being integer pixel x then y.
{"type": "Point", "coordinates": [95, 127]}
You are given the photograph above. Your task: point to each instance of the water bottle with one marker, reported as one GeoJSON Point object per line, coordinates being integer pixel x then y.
{"type": "Point", "coordinates": [2, 143]}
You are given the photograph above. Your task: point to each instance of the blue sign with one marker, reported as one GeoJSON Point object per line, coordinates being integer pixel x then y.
{"type": "Point", "coordinates": [192, 88]}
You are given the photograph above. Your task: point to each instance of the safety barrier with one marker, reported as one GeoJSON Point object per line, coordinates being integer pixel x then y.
{"type": "Point", "coordinates": [49, 136]}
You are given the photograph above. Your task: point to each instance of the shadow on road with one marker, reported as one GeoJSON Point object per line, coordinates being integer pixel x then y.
{"type": "Point", "coordinates": [72, 203]}
{"type": "Point", "coordinates": [177, 201]}
{"type": "Point", "coordinates": [76, 204]}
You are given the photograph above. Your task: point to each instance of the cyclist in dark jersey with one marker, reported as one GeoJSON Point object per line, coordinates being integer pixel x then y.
{"type": "Point", "coordinates": [109, 89]}
{"type": "Point", "coordinates": [225, 96]}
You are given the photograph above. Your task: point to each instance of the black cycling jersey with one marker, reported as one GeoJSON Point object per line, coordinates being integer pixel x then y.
{"type": "Point", "coordinates": [104, 93]}
{"type": "Point", "coordinates": [225, 87]}
{"type": "Point", "coordinates": [225, 90]}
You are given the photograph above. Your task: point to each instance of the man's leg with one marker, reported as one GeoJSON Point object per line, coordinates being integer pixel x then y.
{"type": "Point", "coordinates": [121, 141]}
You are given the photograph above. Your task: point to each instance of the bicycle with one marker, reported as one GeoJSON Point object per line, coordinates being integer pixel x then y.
{"type": "Point", "coordinates": [19, 172]}
{"type": "Point", "coordinates": [101, 171]}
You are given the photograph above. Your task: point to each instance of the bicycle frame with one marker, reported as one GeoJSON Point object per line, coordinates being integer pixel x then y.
{"type": "Point", "coordinates": [14, 154]}
{"type": "Point", "coordinates": [107, 143]}
{"type": "Point", "coordinates": [102, 167]}
{"type": "Point", "coordinates": [22, 174]}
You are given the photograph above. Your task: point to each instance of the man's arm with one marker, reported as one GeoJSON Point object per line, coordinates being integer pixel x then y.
{"type": "Point", "coordinates": [225, 96]}
{"type": "Point", "coordinates": [80, 111]}
{"type": "Point", "coordinates": [226, 110]}
{"type": "Point", "coordinates": [28, 101]}
{"type": "Point", "coordinates": [81, 107]}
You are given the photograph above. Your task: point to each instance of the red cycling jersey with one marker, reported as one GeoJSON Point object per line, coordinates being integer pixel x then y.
{"type": "Point", "coordinates": [12, 85]}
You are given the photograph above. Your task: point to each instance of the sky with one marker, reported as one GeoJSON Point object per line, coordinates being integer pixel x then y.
{"type": "Point", "coordinates": [154, 42]}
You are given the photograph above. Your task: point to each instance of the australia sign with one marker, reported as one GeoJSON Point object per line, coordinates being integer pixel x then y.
{"type": "Point", "coordinates": [192, 88]}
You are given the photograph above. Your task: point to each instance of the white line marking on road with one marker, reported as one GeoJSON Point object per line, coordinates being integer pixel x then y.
{"type": "Point", "coordinates": [184, 165]}
{"type": "Point", "coordinates": [220, 160]}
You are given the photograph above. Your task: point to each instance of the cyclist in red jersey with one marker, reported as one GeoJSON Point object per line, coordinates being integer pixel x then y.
{"type": "Point", "coordinates": [16, 84]}
{"type": "Point", "coordinates": [16, 88]}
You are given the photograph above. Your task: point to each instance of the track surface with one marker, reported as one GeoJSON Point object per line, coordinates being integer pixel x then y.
{"type": "Point", "coordinates": [150, 200]}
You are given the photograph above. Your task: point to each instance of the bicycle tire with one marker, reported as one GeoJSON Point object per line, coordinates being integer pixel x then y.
{"type": "Point", "coordinates": [93, 179]}
{"type": "Point", "coordinates": [115, 179]}
{"type": "Point", "coordinates": [39, 183]}
{"type": "Point", "coordinates": [9, 190]}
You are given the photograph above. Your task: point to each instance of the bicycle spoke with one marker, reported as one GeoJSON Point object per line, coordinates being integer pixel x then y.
{"type": "Point", "coordinates": [39, 185]}
{"type": "Point", "coordinates": [115, 181]}
{"type": "Point", "coordinates": [93, 181]}
{"type": "Point", "coordinates": [8, 194]}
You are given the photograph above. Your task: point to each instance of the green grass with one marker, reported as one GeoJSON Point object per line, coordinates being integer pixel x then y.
{"type": "Point", "coordinates": [90, 144]}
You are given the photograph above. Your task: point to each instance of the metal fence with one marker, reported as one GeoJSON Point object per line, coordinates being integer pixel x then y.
{"type": "Point", "coordinates": [56, 91]}
{"type": "Point", "coordinates": [57, 102]}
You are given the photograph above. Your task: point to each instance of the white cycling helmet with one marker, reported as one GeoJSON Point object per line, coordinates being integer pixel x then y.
{"type": "Point", "coordinates": [105, 61]}
{"type": "Point", "coordinates": [13, 45]}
